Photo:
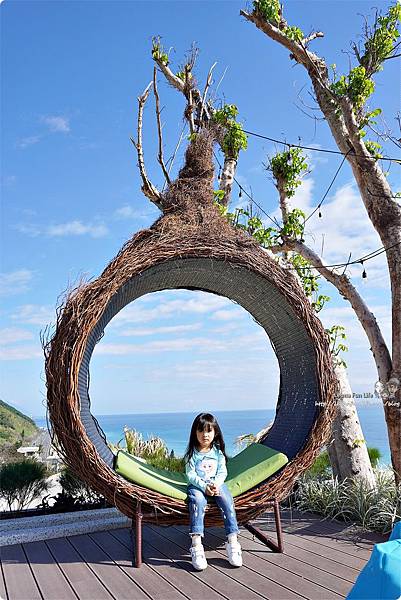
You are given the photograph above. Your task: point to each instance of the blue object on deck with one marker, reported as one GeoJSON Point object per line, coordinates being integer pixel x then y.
{"type": "Point", "coordinates": [380, 579]}
{"type": "Point", "coordinates": [396, 533]}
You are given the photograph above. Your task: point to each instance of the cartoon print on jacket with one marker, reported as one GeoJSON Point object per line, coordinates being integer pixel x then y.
{"type": "Point", "coordinates": [206, 468]}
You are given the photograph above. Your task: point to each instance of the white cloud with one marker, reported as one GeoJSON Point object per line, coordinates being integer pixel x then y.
{"type": "Point", "coordinates": [76, 228]}
{"type": "Point", "coordinates": [34, 314]}
{"type": "Point", "coordinates": [20, 352]}
{"type": "Point", "coordinates": [160, 330]}
{"type": "Point", "coordinates": [28, 141]}
{"type": "Point", "coordinates": [201, 303]}
{"type": "Point", "coordinates": [356, 336]}
{"type": "Point", "coordinates": [255, 341]}
{"type": "Point", "coordinates": [57, 124]}
{"type": "Point", "coordinates": [16, 282]}
{"type": "Point", "coordinates": [63, 229]}
{"type": "Point", "coordinates": [128, 212]}
{"type": "Point", "coordinates": [11, 335]}
{"type": "Point", "coordinates": [224, 315]}
{"type": "Point", "coordinates": [28, 229]}
{"type": "Point", "coordinates": [174, 345]}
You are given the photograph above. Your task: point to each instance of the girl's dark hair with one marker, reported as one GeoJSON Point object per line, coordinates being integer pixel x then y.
{"type": "Point", "coordinates": [204, 422]}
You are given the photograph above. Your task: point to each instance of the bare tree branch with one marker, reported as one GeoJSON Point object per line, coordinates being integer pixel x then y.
{"type": "Point", "coordinates": [171, 160]}
{"type": "Point", "coordinates": [159, 128]}
{"type": "Point", "coordinates": [196, 103]}
{"type": "Point", "coordinates": [312, 36]}
{"type": "Point", "coordinates": [170, 76]}
{"type": "Point", "coordinates": [189, 112]}
{"type": "Point", "coordinates": [208, 84]}
{"type": "Point", "coordinates": [147, 188]}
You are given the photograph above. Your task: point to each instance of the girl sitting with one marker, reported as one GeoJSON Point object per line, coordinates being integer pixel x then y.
{"type": "Point", "coordinates": [205, 467]}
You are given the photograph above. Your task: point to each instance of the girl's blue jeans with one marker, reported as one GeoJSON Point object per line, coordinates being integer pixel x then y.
{"type": "Point", "coordinates": [197, 501]}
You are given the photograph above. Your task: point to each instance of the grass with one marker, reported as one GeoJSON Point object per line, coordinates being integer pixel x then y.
{"type": "Point", "coordinates": [352, 500]}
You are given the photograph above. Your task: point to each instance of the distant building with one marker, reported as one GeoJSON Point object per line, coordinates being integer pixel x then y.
{"type": "Point", "coordinates": [42, 449]}
{"type": "Point", "coordinates": [29, 451]}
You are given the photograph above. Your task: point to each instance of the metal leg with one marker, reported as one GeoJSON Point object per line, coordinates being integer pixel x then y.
{"type": "Point", "coordinates": [279, 530]}
{"type": "Point", "coordinates": [258, 533]}
{"type": "Point", "coordinates": [138, 534]}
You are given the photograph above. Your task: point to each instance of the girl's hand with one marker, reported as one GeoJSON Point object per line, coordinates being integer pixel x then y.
{"type": "Point", "coordinates": [215, 491]}
{"type": "Point", "coordinates": [210, 489]}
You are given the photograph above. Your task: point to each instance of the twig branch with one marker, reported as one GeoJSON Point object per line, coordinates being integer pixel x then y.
{"type": "Point", "coordinates": [312, 36]}
{"type": "Point", "coordinates": [159, 127]}
{"type": "Point", "coordinates": [189, 112]}
{"type": "Point", "coordinates": [208, 84]}
{"type": "Point", "coordinates": [220, 82]}
{"type": "Point", "coordinates": [147, 188]}
{"type": "Point", "coordinates": [172, 159]}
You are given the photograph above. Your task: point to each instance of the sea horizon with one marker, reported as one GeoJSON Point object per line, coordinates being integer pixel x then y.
{"type": "Point", "coordinates": [175, 433]}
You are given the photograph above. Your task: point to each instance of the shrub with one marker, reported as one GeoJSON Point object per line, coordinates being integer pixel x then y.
{"type": "Point", "coordinates": [22, 481]}
{"type": "Point", "coordinates": [321, 468]}
{"type": "Point", "coordinates": [75, 491]}
{"type": "Point", "coordinates": [352, 500]}
{"type": "Point", "coordinates": [153, 450]}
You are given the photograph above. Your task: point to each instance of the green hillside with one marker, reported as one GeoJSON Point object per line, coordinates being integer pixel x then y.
{"type": "Point", "coordinates": [14, 426]}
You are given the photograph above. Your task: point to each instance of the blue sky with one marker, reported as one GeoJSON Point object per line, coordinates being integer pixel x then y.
{"type": "Point", "coordinates": [71, 196]}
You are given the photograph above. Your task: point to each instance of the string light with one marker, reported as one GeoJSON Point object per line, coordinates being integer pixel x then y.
{"type": "Point", "coordinates": [328, 189]}
{"type": "Point", "coordinates": [265, 137]}
{"type": "Point", "coordinates": [368, 256]}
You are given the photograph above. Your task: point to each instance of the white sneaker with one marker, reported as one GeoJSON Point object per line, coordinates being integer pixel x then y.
{"type": "Point", "coordinates": [198, 557]}
{"type": "Point", "coordinates": [234, 554]}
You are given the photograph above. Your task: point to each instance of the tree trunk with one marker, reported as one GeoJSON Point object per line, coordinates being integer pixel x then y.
{"type": "Point", "coordinates": [347, 449]}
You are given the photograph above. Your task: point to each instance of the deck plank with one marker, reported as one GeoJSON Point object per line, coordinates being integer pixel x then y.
{"type": "Point", "coordinates": [329, 535]}
{"type": "Point", "coordinates": [171, 565]}
{"type": "Point", "coordinates": [20, 583]}
{"type": "Point", "coordinates": [237, 583]}
{"type": "Point", "coordinates": [84, 582]}
{"type": "Point", "coordinates": [328, 582]}
{"type": "Point", "coordinates": [272, 581]}
{"type": "Point", "coordinates": [310, 542]}
{"type": "Point", "coordinates": [49, 577]}
{"type": "Point", "coordinates": [321, 562]}
{"type": "Point", "coordinates": [114, 579]}
{"type": "Point", "coordinates": [148, 578]}
{"type": "Point", "coordinates": [367, 537]}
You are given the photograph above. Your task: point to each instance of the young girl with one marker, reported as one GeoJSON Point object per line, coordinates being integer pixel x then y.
{"type": "Point", "coordinates": [205, 467]}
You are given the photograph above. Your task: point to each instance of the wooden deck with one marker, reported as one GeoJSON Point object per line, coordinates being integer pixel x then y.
{"type": "Point", "coordinates": [321, 561]}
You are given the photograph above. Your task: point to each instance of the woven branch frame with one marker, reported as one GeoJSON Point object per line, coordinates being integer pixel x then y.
{"type": "Point", "coordinates": [83, 308]}
{"type": "Point", "coordinates": [190, 228]}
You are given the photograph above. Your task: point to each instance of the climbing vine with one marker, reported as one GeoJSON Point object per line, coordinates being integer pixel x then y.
{"type": "Point", "coordinates": [336, 333]}
{"type": "Point", "coordinates": [287, 169]}
{"type": "Point", "coordinates": [234, 139]}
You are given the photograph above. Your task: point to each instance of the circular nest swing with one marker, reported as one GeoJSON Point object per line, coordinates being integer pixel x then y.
{"type": "Point", "coordinates": [192, 247]}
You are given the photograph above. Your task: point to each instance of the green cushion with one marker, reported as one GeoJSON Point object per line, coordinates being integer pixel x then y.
{"type": "Point", "coordinates": [251, 466]}
{"type": "Point", "coordinates": [165, 482]}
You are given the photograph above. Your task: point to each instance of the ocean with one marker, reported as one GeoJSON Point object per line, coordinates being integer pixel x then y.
{"type": "Point", "coordinates": [174, 428]}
